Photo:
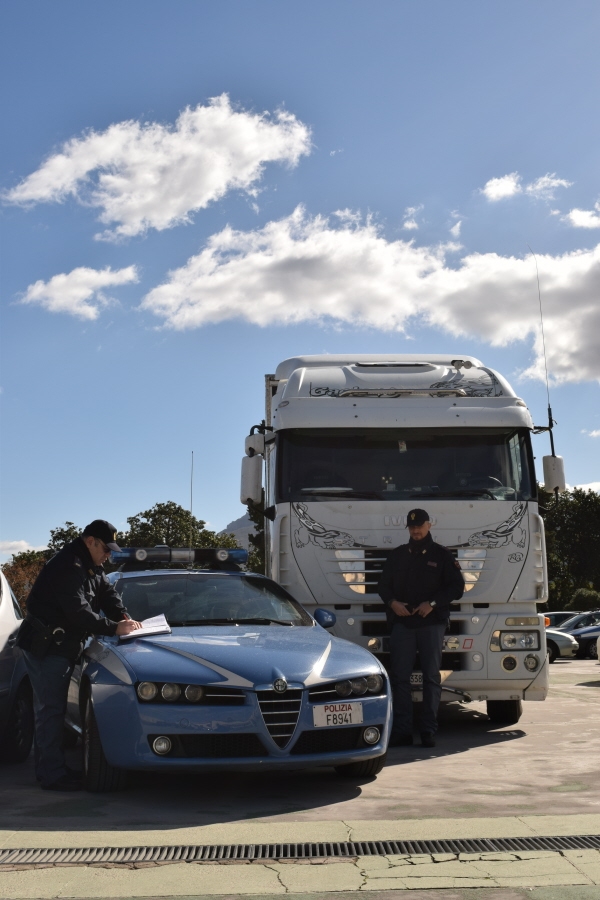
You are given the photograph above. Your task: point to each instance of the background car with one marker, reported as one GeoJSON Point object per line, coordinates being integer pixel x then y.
{"type": "Point", "coordinates": [16, 699]}
{"type": "Point", "coordinates": [557, 618]}
{"type": "Point", "coordinates": [580, 620]}
{"type": "Point", "coordinates": [560, 644]}
{"type": "Point", "coordinates": [587, 639]}
{"type": "Point", "coordinates": [246, 679]}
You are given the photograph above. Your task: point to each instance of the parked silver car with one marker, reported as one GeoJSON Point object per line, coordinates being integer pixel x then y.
{"type": "Point", "coordinates": [16, 701]}
{"type": "Point", "coordinates": [560, 643]}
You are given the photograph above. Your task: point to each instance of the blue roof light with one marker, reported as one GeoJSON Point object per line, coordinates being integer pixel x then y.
{"type": "Point", "coordinates": [183, 555]}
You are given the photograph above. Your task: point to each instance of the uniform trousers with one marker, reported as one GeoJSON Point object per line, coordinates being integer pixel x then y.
{"type": "Point", "coordinates": [49, 679]}
{"type": "Point", "coordinates": [404, 644]}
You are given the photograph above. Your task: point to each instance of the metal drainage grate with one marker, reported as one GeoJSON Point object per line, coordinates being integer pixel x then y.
{"type": "Point", "coordinates": [194, 853]}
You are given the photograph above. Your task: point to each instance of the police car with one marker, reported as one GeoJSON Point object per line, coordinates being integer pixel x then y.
{"type": "Point", "coordinates": [244, 679]}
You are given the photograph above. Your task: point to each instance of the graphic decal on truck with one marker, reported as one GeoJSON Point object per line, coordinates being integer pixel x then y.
{"type": "Point", "coordinates": [506, 533]}
{"type": "Point", "coordinates": [312, 532]}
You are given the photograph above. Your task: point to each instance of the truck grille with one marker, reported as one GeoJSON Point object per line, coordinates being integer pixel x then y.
{"type": "Point", "coordinates": [280, 713]}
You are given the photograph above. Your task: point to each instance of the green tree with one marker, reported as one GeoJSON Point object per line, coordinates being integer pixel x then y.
{"type": "Point", "coordinates": [62, 535]}
{"type": "Point", "coordinates": [572, 527]}
{"type": "Point", "coordinates": [584, 600]}
{"type": "Point", "coordinates": [171, 524]}
{"type": "Point", "coordinates": [256, 556]}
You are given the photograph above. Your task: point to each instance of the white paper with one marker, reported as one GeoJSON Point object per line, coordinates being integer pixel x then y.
{"type": "Point", "coordinates": [155, 625]}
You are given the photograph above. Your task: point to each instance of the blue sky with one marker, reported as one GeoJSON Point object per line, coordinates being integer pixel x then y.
{"type": "Point", "coordinates": [369, 181]}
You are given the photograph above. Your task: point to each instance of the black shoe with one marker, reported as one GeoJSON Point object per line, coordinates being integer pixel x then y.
{"type": "Point", "coordinates": [66, 783]}
{"type": "Point", "coordinates": [401, 740]}
{"type": "Point", "coordinates": [427, 739]}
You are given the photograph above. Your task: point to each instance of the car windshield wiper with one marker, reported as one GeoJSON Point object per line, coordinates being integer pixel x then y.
{"type": "Point", "coordinates": [233, 621]}
{"type": "Point", "coordinates": [341, 492]}
{"type": "Point", "coordinates": [474, 492]}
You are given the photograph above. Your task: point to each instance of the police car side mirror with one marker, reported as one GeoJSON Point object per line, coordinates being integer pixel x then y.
{"type": "Point", "coordinates": [324, 618]}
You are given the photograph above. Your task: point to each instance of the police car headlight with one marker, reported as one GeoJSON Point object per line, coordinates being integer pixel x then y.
{"type": "Point", "coordinates": [343, 688]}
{"type": "Point", "coordinates": [147, 690]}
{"type": "Point", "coordinates": [162, 745]}
{"type": "Point", "coordinates": [359, 686]}
{"type": "Point", "coordinates": [194, 693]}
{"type": "Point", "coordinates": [374, 683]}
{"type": "Point", "coordinates": [170, 692]}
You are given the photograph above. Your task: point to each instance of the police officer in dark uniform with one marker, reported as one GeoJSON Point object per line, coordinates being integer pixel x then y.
{"type": "Point", "coordinates": [63, 609]}
{"type": "Point", "coordinates": [418, 582]}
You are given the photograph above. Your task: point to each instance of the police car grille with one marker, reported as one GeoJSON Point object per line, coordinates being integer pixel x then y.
{"type": "Point", "coordinates": [329, 740]}
{"type": "Point", "coordinates": [280, 713]}
{"type": "Point", "coordinates": [215, 746]}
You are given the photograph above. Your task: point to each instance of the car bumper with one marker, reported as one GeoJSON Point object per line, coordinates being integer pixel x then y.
{"type": "Point", "coordinates": [126, 728]}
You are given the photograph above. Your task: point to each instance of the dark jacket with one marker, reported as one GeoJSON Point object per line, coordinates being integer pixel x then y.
{"type": "Point", "coordinates": [70, 592]}
{"type": "Point", "coordinates": [420, 571]}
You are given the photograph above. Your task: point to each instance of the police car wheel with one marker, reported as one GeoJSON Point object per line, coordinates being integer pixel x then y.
{"type": "Point", "coordinates": [592, 650]}
{"type": "Point", "coordinates": [18, 737]}
{"type": "Point", "coordinates": [504, 712]}
{"type": "Point", "coordinates": [98, 775]}
{"type": "Point", "coordinates": [367, 769]}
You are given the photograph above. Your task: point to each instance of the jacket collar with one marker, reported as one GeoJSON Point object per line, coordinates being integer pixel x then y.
{"type": "Point", "coordinates": [421, 546]}
{"type": "Point", "coordinates": [79, 549]}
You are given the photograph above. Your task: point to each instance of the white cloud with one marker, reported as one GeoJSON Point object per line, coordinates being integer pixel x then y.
{"type": "Point", "coordinates": [592, 486]}
{"type": "Point", "coordinates": [10, 548]}
{"type": "Point", "coordinates": [584, 218]}
{"type": "Point", "coordinates": [544, 188]}
{"type": "Point", "coordinates": [455, 230]}
{"type": "Point", "coordinates": [410, 223]}
{"type": "Point", "coordinates": [593, 434]}
{"type": "Point", "coordinates": [79, 292]}
{"type": "Point", "coordinates": [303, 269]}
{"type": "Point", "coordinates": [148, 175]}
{"type": "Point", "coordinates": [500, 188]}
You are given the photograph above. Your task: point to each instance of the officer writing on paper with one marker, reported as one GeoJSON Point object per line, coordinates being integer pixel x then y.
{"type": "Point", "coordinates": [418, 583]}
{"type": "Point", "coordinates": [70, 600]}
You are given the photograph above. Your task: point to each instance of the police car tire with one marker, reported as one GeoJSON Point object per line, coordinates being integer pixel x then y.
{"type": "Point", "coordinates": [367, 769]}
{"type": "Point", "coordinates": [504, 712]}
{"type": "Point", "coordinates": [99, 776]}
{"type": "Point", "coordinates": [18, 737]}
{"type": "Point", "coordinates": [592, 652]}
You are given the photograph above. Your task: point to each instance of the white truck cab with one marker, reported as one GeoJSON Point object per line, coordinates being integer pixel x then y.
{"type": "Point", "coordinates": [349, 445]}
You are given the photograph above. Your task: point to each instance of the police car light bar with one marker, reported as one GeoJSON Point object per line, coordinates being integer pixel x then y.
{"type": "Point", "coordinates": [203, 555]}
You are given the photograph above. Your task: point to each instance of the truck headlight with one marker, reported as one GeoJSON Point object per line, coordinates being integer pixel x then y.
{"type": "Point", "coordinates": [515, 640]}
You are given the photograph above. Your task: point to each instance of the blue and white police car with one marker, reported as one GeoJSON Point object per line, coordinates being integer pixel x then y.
{"type": "Point", "coordinates": [246, 678]}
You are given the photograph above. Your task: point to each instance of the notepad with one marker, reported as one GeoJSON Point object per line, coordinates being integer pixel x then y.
{"type": "Point", "coordinates": [155, 625]}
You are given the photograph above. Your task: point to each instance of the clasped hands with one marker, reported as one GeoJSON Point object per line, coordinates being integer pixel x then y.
{"type": "Point", "coordinates": [401, 609]}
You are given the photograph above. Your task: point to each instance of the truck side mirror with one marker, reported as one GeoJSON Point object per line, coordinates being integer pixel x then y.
{"type": "Point", "coordinates": [324, 618]}
{"type": "Point", "coordinates": [554, 473]}
{"type": "Point", "coordinates": [251, 486]}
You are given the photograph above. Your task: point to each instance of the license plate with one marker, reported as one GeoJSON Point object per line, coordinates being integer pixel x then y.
{"type": "Point", "coordinates": [337, 714]}
{"type": "Point", "coordinates": [416, 679]}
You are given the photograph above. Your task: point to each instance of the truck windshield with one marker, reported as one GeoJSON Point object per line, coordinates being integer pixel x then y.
{"type": "Point", "coordinates": [401, 464]}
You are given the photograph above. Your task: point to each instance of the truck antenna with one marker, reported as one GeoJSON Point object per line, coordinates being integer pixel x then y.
{"type": "Point", "coordinates": [551, 422]}
{"type": "Point", "coordinates": [191, 499]}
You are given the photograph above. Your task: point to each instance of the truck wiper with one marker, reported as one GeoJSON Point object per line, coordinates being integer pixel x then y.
{"type": "Point", "coordinates": [475, 492]}
{"type": "Point", "coordinates": [254, 621]}
{"type": "Point", "coordinates": [342, 492]}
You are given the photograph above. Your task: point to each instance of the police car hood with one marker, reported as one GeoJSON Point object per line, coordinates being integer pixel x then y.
{"type": "Point", "coordinates": [244, 656]}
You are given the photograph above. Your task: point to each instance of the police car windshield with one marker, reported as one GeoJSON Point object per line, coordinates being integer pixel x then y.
{"type": "Point", "coordinates": [196, 599]}
{"type": "Point", "coordinates": [404, 464]}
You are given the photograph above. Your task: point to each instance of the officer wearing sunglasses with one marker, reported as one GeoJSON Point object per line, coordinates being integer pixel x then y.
{"type": "Point", "coordinates": [70, 600]}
